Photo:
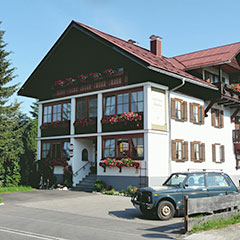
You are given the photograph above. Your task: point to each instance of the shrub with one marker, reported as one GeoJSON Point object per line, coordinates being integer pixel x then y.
{"type": "Point", "coordinates": [99, 185]}
{"type": "Point", "coordinates": [131, 190]}
{"type": "Point", "coordinates": [0, 200]}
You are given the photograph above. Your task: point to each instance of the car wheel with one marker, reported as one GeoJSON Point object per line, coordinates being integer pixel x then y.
{"type": "Point", "coordinates": [165, 210]}
{"type": "Point", "coordinates": [146, 212]}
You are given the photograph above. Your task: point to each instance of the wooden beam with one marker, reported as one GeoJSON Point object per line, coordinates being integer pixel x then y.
{"type": "Point", "coordinates": [223, 101]}
{"type": "Point", "coordinates": [234, 105]}
{"type": "Point", "coordinates": [235, 114]}
{"type": "Point", "coordinates": [208, 107]}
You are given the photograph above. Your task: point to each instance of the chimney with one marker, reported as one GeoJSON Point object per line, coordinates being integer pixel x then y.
{"type": "Point", "coordinates": [156, 45]}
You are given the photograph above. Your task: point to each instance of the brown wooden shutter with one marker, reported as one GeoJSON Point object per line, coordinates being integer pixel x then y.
{"type": "Point", "coordinates": [222, 153]}
{"type": "Point", "coordinates": [192, 151]}
{"type": "Point", "coordinates": [213, 118]}
{"type": "Point", "coordinates": [173, 108]}
{"type": "Point", "coordinates": [191, 113]}
{"type": "Point", "coordinates": [185, 151]}
{"type": "Point", "coordinates": [174, 151]}
{"type": "Point", "coordinates": [202, 148]}
{"type": "Point", "coordinates": [237, 123]}
{"type": "Point", "coordinates": [185, 112]}
{"type": "Point", "coordinates": [213, 152]}
{"type": "Point", "coordinates": [202, 114]}
{"type": "Point", "coordinates": [221, 119]}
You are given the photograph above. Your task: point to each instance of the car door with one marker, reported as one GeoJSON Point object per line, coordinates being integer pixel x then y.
{"type": "Point", "coordinates": [195, 186]}
{"type": "Point", "coordinates": [217, 184]}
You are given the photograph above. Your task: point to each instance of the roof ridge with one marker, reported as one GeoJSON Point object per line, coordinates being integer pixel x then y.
{"type": "Point", "coordinates": [205, 49]}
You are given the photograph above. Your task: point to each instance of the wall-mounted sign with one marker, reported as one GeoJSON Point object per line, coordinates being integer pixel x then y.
{"type": "Point", "coordinates": [71, 150]}
{"type": "Point", "coordinates": [158, 109]}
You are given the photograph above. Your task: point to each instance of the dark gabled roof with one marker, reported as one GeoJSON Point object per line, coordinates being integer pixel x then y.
{"type": "Point", "coordinates": [208, 57]}
{"type": "Point", "coordinates": [145, 55]}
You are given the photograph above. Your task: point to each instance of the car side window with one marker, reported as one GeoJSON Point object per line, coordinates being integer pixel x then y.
{"type": "Point", "coordinates": [215, 180]}
{"type": "Point", "coordinates": [195, 180]}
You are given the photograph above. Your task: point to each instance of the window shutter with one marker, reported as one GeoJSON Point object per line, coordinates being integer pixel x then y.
{"type": "Point", "coordinates": [185, 151]}
{"type": "Point", "coordinates": [191, 113]}
{"type": "Point", "coordinates": [202, 114]}
{"type": "Point", "coordinates": [213, 152]}
{"type": "Point", "coordinates": [173, 108]}
{"type": "Point", "coordinates": [221, 119]}
{"type": "Point", "coordinates": [202, 152]}
{"type": "Point", "coordinates": [185, 112]}
{"type": "Point", "coordinates": [222, 153]}
{"type": "Point", "coordinates": [213, 118]}
{"type": "Point", "coordinates": [174, 154]}
{"type": "Point", "coordinates": [237, 123]}
{"type": "Point", "coordinates": [192, 151]}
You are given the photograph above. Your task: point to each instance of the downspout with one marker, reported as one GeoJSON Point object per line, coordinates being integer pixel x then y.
{"type": "Point", "coordinates": [169, 124]}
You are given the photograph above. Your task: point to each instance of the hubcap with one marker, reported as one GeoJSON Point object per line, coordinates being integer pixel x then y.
{"type": "Point", "coordinates": [166, 210]}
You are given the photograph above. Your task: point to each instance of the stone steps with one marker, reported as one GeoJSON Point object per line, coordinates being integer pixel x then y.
{"type": "Point", "coordinates": [87, 184]}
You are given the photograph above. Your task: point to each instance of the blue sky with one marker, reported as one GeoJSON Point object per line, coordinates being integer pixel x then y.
{"type": "Point", "coordinates": [33, 26]}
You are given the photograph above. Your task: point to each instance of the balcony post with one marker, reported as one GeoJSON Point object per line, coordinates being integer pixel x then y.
{"type": "Point", "coordinates": [99, 112]}
{"type": "Point", "coordinates": [73, 115]}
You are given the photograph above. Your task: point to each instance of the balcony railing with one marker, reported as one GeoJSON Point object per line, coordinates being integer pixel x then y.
{"type": "Point", "coordinates": [236, 136]}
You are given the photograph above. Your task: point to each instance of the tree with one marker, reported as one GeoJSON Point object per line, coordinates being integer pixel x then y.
{"type": "Point", "coordinates": [11, 131]}
{"type": "Point", "coordinates": [28, 158]}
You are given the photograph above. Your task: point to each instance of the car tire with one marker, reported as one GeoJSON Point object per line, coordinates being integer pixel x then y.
{"type": "Point", "coordinates": [165, 210]}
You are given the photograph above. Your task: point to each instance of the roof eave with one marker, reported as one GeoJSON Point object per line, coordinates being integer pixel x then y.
{"type": "Point", "coordinates": [182, 77]}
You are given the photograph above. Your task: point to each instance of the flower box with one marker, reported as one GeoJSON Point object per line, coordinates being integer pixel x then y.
{"type": "Point", "coordinates": [124, 162]}
{"type": "Point", "coordinates": [86, 125]}
{"type": "Point", "coordinates": [123, 122]}
{"type": "Point", "coordinates": [55, 128]}
{"type": "Point", "coordinates": [55, 162]}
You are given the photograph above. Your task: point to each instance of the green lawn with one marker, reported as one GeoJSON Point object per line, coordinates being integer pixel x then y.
{"type": "Point", "coordinates": [0, 200]}
{"type": "Point", "coordinates": [218, 223]}
{"type": "Point", "coordinates": [15, 189]}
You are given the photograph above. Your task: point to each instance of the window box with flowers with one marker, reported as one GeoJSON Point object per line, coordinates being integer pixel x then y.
{"type": "Point", "coordinates": [86, 125]}
{"type": "Point", "coordinates": [124, 162]}
{"type": "Point", "coordinates": [55, 128]}
{"type": "Point", "coordinates": [122, 122]}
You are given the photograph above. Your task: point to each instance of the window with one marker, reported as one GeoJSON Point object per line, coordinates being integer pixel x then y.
{"type": "Point", "coordinates": [195, 180]}
{"type": "Point", "coordinates": [178, 109]}
{"type": "Point", "coordinates": [212, 78]}
{"type": "Point", "coordinates": [85, 155]}
{"type": "Point", "coordinates": [137, 101]}
{"type": "Point", "coordinates": [45, 150]}
{"type": "Point", "coordinates": [109, 107]}
{"type": "Point", "coordinates": [137, 147]}
{"type": "Point", "coordinates": [56, 150]}
{"type": "Point", "coordinates": [218, 154]}
{"type": "Point", "coordinates": [131, 101]}
{"type": "Point", "coordinates": [109, 148]}
{"type": "Point", "coordinates": [122, 103]}
{"type": "Point", "coordinates": [216, 180]}
{"type": "Point", "coordinates": [122, 147]}
{"type": "Point", "coordinates": [196, 113]}
{"type": "Point", "coordinates": [179, 150]}
{"type": "Point", "coordinates": [56, 112]}
{"type": "Point", "coordinates": [237, 152]}
{"type": "Point", "coordinates": [86, 107]}
{"type": "Point", "coordinates": [217, 118]}
{"type": "Point", "coordinates": [197, 151]}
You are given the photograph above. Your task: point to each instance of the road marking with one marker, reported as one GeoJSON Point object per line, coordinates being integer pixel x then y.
{"type": "Point", "coordinates": [29, 234]}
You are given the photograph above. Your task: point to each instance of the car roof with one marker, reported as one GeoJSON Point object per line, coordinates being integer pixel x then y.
{"type": "Point", "coordinates": [198, 172]}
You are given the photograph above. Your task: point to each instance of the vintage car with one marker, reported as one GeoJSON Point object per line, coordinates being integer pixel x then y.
{"type": "Point", "coordinates": [168, 200]}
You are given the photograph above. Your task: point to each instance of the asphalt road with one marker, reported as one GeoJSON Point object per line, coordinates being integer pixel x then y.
{"type": "Point", "coordinates": [67, 215]}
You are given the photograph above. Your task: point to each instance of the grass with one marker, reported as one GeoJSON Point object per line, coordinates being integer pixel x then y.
{"type": "Point", "coordinates": [15, 189]}
{"type": "Point", "coordinates": [0, 200]}
{"type": "Point", "coordinates": [217, 223]}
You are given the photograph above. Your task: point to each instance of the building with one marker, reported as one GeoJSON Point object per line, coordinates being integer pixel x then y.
{"type": "Point", "coordinates": [103, 99]}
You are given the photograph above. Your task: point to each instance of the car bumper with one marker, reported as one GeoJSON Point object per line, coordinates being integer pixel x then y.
{"type": "Point", "coordinates": [137, 204]}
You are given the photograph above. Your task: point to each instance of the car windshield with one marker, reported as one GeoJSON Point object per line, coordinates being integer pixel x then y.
{"type": "Point", "coordinates": [175, 179]}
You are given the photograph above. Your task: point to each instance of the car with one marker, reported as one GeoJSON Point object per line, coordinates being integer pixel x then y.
{"type": "Point", "coordinates": [168, 200]}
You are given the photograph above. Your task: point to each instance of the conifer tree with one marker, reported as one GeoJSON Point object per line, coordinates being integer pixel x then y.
{"type": "Point", "coordinates": [10, 130]}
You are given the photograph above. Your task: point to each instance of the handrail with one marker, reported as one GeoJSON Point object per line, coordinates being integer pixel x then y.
{"type": "Point", "coordinates": [83, 167]}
